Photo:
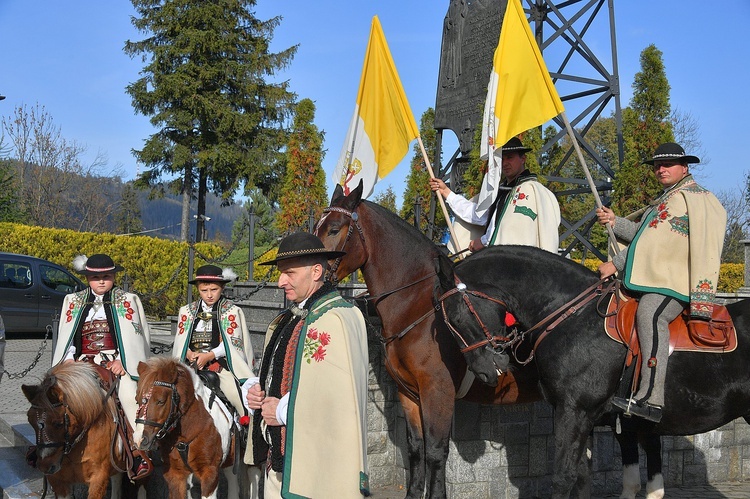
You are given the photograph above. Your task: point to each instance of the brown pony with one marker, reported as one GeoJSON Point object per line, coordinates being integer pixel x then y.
{"type": "Point", "coordinates": [193, 440]}
{"type": "Point", "coordinates": [73, 418]}
{"type": "Point", "coordinates": [405, 273]}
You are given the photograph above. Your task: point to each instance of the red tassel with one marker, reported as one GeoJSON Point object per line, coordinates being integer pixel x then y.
{"type": "Point", "coordinates": [509, 319]}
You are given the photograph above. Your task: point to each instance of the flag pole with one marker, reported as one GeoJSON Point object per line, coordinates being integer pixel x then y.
{"type": "Point", "coordinates": [597, 199]}
{"type": "Point", "coordinates": [454, 239]}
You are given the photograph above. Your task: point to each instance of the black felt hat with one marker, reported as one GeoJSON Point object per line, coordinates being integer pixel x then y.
{"type": "Point", "coordinates": [671, 151]}
{"type": "Point", "coordinates": [515, 145]}
{"type": "Point", "coordinates": [95, 264]}
{"type": "Point", "coordinates": [300, 245]}
{"type": "Point", "coordinates": [212, 273]}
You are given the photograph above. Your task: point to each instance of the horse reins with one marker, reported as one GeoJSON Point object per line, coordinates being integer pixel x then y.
{"type": "Point", "coordinates": [598, 289]}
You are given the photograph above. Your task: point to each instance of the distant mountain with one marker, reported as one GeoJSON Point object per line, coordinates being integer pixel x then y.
{"type": "Point", "coordinates": [165, 214]}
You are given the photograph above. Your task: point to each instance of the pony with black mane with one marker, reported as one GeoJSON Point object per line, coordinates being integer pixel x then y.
{"type": "Point", "coordinates": [74, 419]}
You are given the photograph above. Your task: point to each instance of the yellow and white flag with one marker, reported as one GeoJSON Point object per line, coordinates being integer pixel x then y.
{"type": "Point", "coordinates": [382, 126]}
{"type": "Point", "coordinates": [520, 94]}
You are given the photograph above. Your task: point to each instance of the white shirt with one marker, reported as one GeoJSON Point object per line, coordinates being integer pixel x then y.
{"type": "Point", "coordinates": [283, 407]}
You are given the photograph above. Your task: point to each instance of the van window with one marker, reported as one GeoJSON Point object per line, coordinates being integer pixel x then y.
{"type": "Point", "coordinates": [57, 279]}
{"type": "Point", "coordinates": [15, 275]}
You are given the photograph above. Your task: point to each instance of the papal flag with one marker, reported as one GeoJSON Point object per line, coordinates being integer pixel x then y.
{"type": "Point", "coordinates": [382, 126]}
{"type": "Point", "coordinates": [520, 94]}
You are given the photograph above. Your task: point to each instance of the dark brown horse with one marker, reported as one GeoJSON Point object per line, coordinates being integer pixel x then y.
{"type": "Point", "coordinates": [76, 441]}
{"type": "Point", "coordinates": [192, 440]}
{"type": "Point", "coordinates": [405, 273]}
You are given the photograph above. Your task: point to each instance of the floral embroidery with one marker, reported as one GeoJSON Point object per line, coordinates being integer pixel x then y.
{"type": "Point", "coordinates": [680, 225]}
{"type": "Point", "coordinates": [314, 345]}
{"type": "Point", "coordinates": [702, 299]}
{"type": "Point", "coordinates": [519, 196]}
{"type": "Point", "coordinates": [662, 213]}
{"type": "Point", "coordinates": [236, 342]}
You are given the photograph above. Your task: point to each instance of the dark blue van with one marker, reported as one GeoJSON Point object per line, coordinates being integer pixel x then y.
{"type": "Point", "coordinates": [32, 291]}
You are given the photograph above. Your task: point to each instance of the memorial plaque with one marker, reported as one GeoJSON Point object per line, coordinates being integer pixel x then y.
{"type": "Point", "coordinates": [470, 34]}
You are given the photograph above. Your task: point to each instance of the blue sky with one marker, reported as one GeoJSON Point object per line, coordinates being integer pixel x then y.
{"type": "Point", "coordinates": [67, 57]}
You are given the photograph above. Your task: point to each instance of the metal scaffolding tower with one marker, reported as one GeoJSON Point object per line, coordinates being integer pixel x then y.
{"type": "Point", "coordinates": [587, 81]}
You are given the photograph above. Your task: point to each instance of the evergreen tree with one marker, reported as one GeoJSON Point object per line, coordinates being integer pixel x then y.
{"type": "Point", "coordinates": [646, 124]}
{"type": "Point", "coordinates": [128, 216]}
{"type": "Point", "coordinates": [220, 123]}
{"type": "Point", "coordinates": [417, 182]}
{"type": "Point", "coordinates": [10, 210]}
{"type": "Point", "coordinates": [386, 199]}
{"type": "Point", "coordinates": [304, 188]}
{"type": "Point", "coordinates": [265, 221]}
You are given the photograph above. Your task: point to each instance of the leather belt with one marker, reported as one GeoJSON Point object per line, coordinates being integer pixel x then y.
{"type": "Point", "coordinates": [95, 336]}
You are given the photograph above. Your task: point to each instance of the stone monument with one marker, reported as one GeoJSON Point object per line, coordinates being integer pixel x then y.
{"type": "Point", "coordinates": [470, 34]}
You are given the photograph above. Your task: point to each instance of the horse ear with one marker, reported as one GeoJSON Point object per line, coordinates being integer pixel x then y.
{"type": "Point", "coordinates": [141, 369]}
{"type": "Point", "coordinates": [30, 391]}
{"type": "Point", "coordinates": [355, 197]}
{"type": "Point", "coordinates": [338, 192]}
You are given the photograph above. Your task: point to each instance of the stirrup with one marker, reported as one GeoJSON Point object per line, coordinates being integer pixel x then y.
{"type": "Point", "coordinates": [142, 466]}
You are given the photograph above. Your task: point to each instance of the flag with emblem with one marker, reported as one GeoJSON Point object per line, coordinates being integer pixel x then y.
{"type": "Point", "coordinates": [520, 94]}
{"type": "Point", "coordinates": [383, 125]}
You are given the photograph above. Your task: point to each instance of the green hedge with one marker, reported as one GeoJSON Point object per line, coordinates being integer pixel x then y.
{"type": "Point", "coordinates": [731, 275]}
{"type": "Point", "coordinates": [155, 268]}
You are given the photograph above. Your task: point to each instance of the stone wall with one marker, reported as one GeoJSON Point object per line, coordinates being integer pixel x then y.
{"type": "Point", "coordinates": [508, 451]}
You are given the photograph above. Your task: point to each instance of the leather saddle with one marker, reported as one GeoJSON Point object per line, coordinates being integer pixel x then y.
{"type": "Point", "coordinates": [685, 334]}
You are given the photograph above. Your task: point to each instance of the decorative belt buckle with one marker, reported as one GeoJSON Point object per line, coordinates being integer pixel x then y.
{"type": "Point", "coordinates": [205, 316]}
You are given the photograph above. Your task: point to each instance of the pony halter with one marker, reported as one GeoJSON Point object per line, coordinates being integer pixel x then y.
{"type": "Point", "coordinates": [174, 411]}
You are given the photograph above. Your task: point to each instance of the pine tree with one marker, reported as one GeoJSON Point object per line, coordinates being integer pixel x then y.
{"type": "Point", "coordinates": [303, 191]}
{"type": "Point", "coordinates": [386, 199]}
{"type": "Point", "coordinates": [128, 216]}
{"type": "Point", "coordinates": [220, 123]}
{"type": "Point", "coordinates": [646, 124]}
{"type": "Point", "coordinates": [417, 182]}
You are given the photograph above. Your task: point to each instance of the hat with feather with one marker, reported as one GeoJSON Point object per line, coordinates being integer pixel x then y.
{"type": "Point", "coordinates": [212, 273]}
{"type": "Point", "coordinates": [95, 265]}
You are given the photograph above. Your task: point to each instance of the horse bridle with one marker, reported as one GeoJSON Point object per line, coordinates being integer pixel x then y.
{"type": "Point", "coordinates": [41, 432]}
{"type": "Point", "coordinates": [174, 410]}
{"type": "Point", "coordinates": [331, 274]}
{"type": "Point", "coordinates": [493, 341]}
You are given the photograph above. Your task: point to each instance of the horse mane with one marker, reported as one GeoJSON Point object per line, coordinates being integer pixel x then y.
{"type": "Point", "coordinates": [80, 390]}
{"type": "Point", "coordinates": [425, 248]}
{"type": "Point", "coordinates": [169, 370]}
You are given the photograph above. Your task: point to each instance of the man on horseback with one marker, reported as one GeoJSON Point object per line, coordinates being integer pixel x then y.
{"type": "Point", "coordinates": [672, 259]}
{"type": "Point", "coordinates": [211, 333]}
{"type": "Point", "coordinates": [524, 211]}
{"type": "Point", "coordinates": [107, 326]}
{"type": "Point", "coordinates": [310, 398]}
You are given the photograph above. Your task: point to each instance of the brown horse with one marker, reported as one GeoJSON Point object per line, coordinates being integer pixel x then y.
{"type": "Point", "coordinates": [193, 439]}
{"type": "Point", "coordinates": [76, 442]}
{"type": "Point", "coordinates": [405, 273]}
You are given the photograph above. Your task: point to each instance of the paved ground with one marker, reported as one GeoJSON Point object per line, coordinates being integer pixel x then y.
{"type": "Point", "coordinates": [15, 431]}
